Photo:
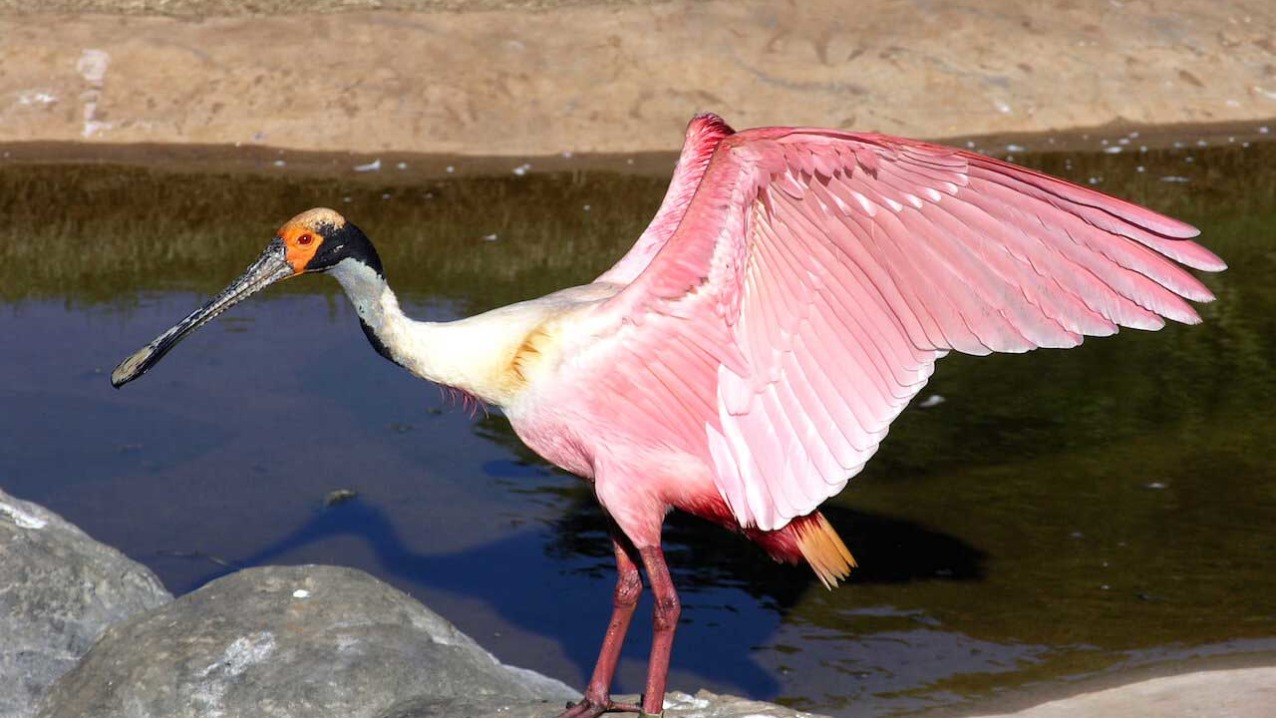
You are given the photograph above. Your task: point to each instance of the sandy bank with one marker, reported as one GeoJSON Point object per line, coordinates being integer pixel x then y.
{"type": "Point", "coordinates": [618, 77]}
{"type": "Point", "coordinates": [1237, 693]}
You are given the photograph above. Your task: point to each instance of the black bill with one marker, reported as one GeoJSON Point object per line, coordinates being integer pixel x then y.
{"type": "Point", "coordinates": [269, 268]}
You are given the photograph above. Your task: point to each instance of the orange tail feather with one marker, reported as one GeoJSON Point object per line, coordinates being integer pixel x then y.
{"type": "Point", "coordinates": [823, 549]}
{"type": "Point", "coordinates": [813, 539]}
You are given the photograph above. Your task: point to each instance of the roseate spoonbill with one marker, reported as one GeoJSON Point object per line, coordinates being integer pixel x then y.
{"type": "Point", "coordinates": [746, 357]}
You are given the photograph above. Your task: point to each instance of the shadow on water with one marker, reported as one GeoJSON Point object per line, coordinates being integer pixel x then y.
{"type": "Point", "coordinates": [889, 549]}
{"type": "Point", "coordinates": [700, 555]}
{"type": "Point", "coordinates": [1048, 516]}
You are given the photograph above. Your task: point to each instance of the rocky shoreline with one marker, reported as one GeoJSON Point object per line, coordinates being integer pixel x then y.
{"type": "Point", "coordinates": [88, 632]}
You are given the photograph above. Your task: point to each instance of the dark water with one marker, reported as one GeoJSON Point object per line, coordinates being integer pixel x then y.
{"type": "Point", "coordinates": [1057, 516]}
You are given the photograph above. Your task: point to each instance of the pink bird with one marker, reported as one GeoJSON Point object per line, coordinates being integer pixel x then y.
{"type": "Point", "coordinates": [746, 357]}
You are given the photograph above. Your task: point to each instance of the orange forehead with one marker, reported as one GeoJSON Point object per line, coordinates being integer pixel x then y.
{"type": "Point", "coordinates": [300, 244]}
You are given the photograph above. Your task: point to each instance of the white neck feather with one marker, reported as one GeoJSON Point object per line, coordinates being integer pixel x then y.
{"type": "Point", "coordinates": [470, 354]}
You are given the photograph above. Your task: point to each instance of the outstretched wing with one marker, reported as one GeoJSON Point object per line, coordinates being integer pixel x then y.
{"type": "Point", "coordinates": [815, 277]}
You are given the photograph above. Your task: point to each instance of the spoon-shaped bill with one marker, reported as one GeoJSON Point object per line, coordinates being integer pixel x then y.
{"type": "Point", "coordinates": [269, 268]}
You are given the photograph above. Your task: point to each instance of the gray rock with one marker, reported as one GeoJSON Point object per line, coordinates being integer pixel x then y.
{"type": "Point", "coordinates": [708, 705]}
{"type": "Point", "coordinates": [59, 589]}
{"type": "Point", "coordinates": [306, 641]}
{"type": "Point", "coordinates": [427, 707]}
{"type": "Point", "coordinates": [677, 705]}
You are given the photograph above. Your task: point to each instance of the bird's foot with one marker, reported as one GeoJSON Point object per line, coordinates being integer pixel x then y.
{"type": "Point", "coordinates": [595, 707]}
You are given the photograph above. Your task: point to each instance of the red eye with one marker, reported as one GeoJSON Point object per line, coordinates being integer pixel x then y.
{"type": "Point", "coordinates": [305, 239]}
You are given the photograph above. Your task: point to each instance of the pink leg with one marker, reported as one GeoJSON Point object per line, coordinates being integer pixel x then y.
{"type": "Point", "coordinates": [664, 623]}
{"type": "Point", "coordinates": [628, 588]}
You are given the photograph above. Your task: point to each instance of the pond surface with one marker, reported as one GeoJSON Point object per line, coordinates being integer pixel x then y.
{"type": "Point", "coordinates": [1057, 516]}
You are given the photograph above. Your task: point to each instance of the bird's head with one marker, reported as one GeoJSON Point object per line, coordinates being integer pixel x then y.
{"type": "Point", "coordinates": [317, 240]}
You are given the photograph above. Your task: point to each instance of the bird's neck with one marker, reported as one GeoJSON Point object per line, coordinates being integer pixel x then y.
{"type": "Point", "coordinates": [376, 305]}
{"type": "Point", "coordinates": [472, 354]}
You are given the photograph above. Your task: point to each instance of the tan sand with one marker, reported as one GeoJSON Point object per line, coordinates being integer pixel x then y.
{"type": "Point", "coordinates": [616, 76]}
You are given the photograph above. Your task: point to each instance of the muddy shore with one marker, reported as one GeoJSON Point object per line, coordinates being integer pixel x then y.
{"type": "Point", "coordinates": [542, 78]}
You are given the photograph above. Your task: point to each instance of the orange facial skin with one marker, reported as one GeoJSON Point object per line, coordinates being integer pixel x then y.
{"type": "Point", "coordinates": [304, 234]}
{"type": "Point", "coordinates": [300, 243]}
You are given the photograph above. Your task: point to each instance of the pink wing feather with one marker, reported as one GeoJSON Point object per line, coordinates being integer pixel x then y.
{"type": "Point", "coordinates": [799, 303]}
{"type": "Point", "coordinates": [703, 135]}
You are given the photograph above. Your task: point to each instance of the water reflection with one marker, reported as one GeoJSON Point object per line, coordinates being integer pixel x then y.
{"type": "Point", "coordinates": [1057, 514]}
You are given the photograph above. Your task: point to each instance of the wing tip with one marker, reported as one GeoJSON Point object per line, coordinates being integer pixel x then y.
{"type": "Point", "coordinates": [707, 126]}
{"type": "Point", "coordinates": [1182, 248]}
{"type": "Point", "coordinates": [1205, 260]}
